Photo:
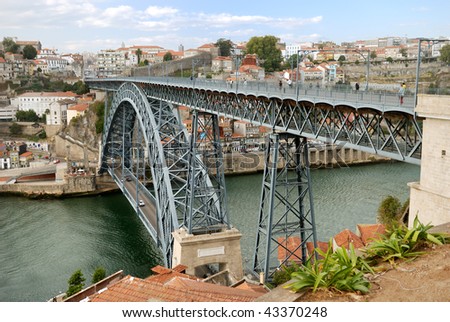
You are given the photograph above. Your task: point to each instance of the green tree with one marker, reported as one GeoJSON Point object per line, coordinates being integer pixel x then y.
{"type": "Point", "coordinates": [15, 129]}
{"type": "Point", "coordinates": [266, 49]}
{"type": "Point", "coordinates": [99, 274]}
{"type": "Point", "coordinates": [29, 52]}
{"type": "Point", "coordinates": [139, 54]}
{"type": "Point", "coordinates": [389, 60]}
{"type": "Point", "coordinates": [403, 52]}
{"type": "Point", "coordinates": [445, 54]}
{"type": "Point", "coordinates": [389, 211]}
{"type": "Point", "coordinates": [99, 109]}
{"type": "Point", "coordinates": [373, 54]}
{"type": "Point", "coordinates": [9, 45]}
{"type": "Point", "coordinates": [168, 56]}
{"type": "Point", "coordinates": [76, 283]}
{"type": "Point", "coordinates": [225, 46]}
{"type": "Point", "coordinates": [27, 116]}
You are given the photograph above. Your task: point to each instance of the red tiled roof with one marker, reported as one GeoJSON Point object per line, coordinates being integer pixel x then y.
{"type": "Point", "coordinates": [26, 154]}
{"type": "Point", "coordinates": [323, 246]}
{"type": "Point", "coordinates": [79, 107]}
{"type": "Point", "coordinates": [345, 237]}
{"type": "Point", "coordinates": [49, 94]}
{"type": "Point", "coordinates": [368, 232]}
{"type": "Point", "coordinates": [178, 289]}
{"type": "Point", "coordinates": [287, 247]}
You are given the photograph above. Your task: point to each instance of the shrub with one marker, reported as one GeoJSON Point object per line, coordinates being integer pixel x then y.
{"type": "Point", "coordinates": [401, 243]}
{"type": "Point", "coordinates": [342, 270]}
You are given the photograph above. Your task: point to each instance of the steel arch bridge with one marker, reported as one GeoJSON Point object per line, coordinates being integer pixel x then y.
{"type": "Point", "coordinates": [143, 133]}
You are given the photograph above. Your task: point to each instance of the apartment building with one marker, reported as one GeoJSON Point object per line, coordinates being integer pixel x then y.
{"type": "Point", "coordinates": [110, 63]}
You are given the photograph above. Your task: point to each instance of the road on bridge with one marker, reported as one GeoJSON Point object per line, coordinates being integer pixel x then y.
{"type": "Point", "coordinates": [149, 208]}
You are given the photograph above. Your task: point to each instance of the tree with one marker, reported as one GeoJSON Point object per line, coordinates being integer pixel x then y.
{"type": "Point", "coordinates": [445, 54]}
{"type": "Point", "coordinates": [389, 60]}
{"type": "Point", "coordinates": [29, 52]}
{"type": "Point", "coordinates": [27, 116]}
{"type": "Point", "coordinates": [266, 50]}
{"type": "Point", "coordinates": [373, 54]}
{"type": "Point", "coordinates": [76, 283]}
{"type": "Point", "coordinates": [15, 129]}
{"type": "Point", "coordinates": [139, 54]}
{"type": "Point", "coordinates": [9, 45]}
{"type": "Point", "coordinates": [99, 274]}
{"type": "Point", "coordinates": [403, 52]}
{"type": "Point", "coordinates": [225, 46]}
{"type": "Point", "coordinates": [167, 56]}
{"type": "Point", "coordinates": [389, 211]}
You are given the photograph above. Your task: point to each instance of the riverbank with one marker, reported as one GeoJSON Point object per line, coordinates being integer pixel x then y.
{"type": "Point", "coordinates": [66, 185]}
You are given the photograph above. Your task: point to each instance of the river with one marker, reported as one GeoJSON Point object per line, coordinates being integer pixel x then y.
{"type": "Point", "coordinates": [42, 242]}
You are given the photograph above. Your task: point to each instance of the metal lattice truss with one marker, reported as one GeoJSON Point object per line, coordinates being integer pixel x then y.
{"type": "Point", "coordinates": [141, 130]}
{"type": "Point", "coordinates": [396, 134]}
{"type": "Point", "coordinates": [392, 132]}
{"type": "Point", "coordinates": [286, 215]}
{"type": "Point", "coordinates": [206, 204]}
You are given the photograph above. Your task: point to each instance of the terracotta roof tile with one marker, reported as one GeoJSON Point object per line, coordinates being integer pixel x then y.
{"type": "Point", "coordinates": [289, 249]}
{"type": "Point", "coordinates": [179, 289]}
{"type": "Point", "coordinates": [368, 232]}
{"type": "Point", "coordinates": [345, 237]}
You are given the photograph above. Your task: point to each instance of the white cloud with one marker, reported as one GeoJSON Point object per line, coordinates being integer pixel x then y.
{"type": "Point", "coordinates": [154, 11]}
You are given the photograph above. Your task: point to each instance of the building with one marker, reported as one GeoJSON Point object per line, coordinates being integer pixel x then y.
{"type": "Point", "coordinates": [58, 111]}
{"type": "Point", "coordinates": [167, 285]}
{"type": "Point", "coordinates": [76, 110]}
{"type": "Point", "coordinates": [39, 101]}
{"type": "Point", "coordinates": [110, 63]}
{"type": "Point", "coordinates": [221, 64]}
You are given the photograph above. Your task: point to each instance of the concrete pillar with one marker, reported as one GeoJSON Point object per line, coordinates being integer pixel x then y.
{"type": "Point", "coordinates": [221, 248]}
{"type": "Point", "coordinates": [430, 198]}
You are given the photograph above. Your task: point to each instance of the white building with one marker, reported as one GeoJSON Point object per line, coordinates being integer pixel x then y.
{"type": "Point", "coordinates": [8, 113]}
{"type": "Point", "coordinates": [58, 111]}
{"type": "Point", "coordinates": [39, 101]}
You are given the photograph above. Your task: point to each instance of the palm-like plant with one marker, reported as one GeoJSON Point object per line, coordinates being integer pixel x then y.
{"type": "Point", "coordinates": [342, 270]}
{"type": "Point", "coordinates": [403, 243]}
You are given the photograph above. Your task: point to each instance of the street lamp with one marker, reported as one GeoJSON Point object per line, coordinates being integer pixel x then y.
{"type": "Point", "coordinates": [416, 89]}
{"type": "Point", "coordinates": [367, 66]}
{"type": "Point", "coordinates": [237, 60]}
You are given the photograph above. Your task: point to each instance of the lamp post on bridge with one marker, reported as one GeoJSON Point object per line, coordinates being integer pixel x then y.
{"type": "Point", "coordinates": [296, 70]}
{"type": "Point", "coordinates": [237, 58]}
{"type": "Point", "coordinates": [367, 59]}
{"type": "Point", "coordinates": [419, 51]}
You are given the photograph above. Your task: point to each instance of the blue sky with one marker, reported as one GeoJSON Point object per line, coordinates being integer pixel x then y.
{"type": "Point", "coordinates": [91, 25]}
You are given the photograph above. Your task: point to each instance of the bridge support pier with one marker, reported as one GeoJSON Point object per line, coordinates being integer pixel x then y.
{"type": "Point", "coordinates": [286, 215]}
{"type": "Point", "coordinates": [430, 198]}
{"type": "Point", "coordinates": [205, 254]}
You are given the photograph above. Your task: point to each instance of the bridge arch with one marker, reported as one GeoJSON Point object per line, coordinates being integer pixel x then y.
{"type": "Point", "coordinates": [144, 134]}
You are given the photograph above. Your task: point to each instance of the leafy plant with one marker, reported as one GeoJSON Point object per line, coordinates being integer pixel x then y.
{"type": "Point", "coordinates": [401, 242]}
{"type": "Point", "coordinates": [342, 270]}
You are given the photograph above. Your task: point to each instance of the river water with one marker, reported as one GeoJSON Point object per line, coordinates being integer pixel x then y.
{"type": "Point", "coordinates": [42, 242]}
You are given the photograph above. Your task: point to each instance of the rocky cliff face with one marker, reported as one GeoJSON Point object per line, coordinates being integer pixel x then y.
{"type": "Point", "coordinates": [82, 129]}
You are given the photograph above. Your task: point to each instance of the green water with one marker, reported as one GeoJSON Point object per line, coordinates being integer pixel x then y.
{"type": "Point", "coordinates": [42, 242]}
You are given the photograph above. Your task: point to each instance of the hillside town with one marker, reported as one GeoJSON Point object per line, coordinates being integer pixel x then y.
{"type": "Point", "coordinates": [323, 64]}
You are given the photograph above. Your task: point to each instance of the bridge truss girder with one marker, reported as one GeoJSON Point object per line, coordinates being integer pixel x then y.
{"type": "Point", "coordinates": [151, 127]}
{"type": "Point", "coordinates": [393, 134]}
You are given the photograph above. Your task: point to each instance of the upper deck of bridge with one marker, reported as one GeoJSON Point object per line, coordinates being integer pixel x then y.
{"type": "Point", "coordinates": [379, 101]}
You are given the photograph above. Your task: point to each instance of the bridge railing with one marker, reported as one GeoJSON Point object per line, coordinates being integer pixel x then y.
{"type": "Point", "coordinates": [381, 100]}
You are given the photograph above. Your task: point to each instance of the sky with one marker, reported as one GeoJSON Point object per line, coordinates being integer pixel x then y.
{"type": "Point", "coordinates": [77, 26]}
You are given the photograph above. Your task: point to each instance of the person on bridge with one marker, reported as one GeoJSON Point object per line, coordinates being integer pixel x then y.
{"type": "Point", "coordinates": [401, 92]}
{"type": "Point", "coordinates": [357, 87]}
